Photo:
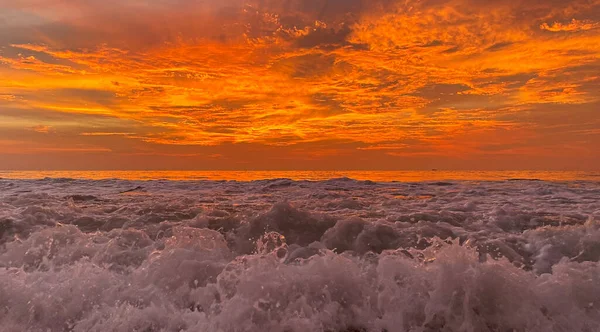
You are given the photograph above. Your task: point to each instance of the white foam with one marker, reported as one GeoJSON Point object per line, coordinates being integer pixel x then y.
{"type": "Point", "coordinates": [338, 255]}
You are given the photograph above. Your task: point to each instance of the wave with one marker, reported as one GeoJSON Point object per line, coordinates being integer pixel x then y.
{"type": "Point", "coordinates": [283, 255]}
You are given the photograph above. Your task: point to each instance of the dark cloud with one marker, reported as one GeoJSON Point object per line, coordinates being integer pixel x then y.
{"type": "Point", "coordinates": [499, 46]}
{"type": "Point", "coordinates": [451, 50]}
{"type": "Point", "coordinates": [305, 66]}
{"type": "Point", "coordinates": [324, 38]}
{"type": "Point", "coordinates": [41, 115]}
{"type": "Point", "coordinates": [14, 52]}
{"type": "Point", "coordinates": [71, 96]}
{"type": "Point", "coordinates": [433, 43]}
{"type": "Point", "coordinates": [437, 90]}
{"type": "Point", "coordinates": [511, 81]}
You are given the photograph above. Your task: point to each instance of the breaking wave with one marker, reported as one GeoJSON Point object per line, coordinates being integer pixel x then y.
{"type": "Point", "coordinates": [287, 256]}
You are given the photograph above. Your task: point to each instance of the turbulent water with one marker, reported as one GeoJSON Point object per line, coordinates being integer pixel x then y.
{"type": "Point", "coordinates": [287, 256]}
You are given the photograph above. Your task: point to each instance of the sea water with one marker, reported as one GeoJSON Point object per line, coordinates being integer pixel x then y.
{"type": "Point", "coordinates": [299, 255]}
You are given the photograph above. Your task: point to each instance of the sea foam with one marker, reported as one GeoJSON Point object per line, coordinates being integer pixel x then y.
{"type": "Point", "coordinates": [283, 255]}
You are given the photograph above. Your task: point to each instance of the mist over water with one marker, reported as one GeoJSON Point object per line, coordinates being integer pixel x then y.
{"type": "Point", "coordinates": [285, 255]}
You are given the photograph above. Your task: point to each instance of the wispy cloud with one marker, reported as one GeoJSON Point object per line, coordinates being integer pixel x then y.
{"type": "Point", "coordinates": [42, 129]}
{"type": "Point", "coordinates": [573, 26]}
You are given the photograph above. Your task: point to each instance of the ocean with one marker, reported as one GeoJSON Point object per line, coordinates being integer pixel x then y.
{"type": "Point", "coordinates": [380, 176]}
{"type": "Point", "coordinates": [300, 251]}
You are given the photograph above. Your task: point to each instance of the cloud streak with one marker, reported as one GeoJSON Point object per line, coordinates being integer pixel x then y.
{"type": "Point", "coordinates": [573, 26]}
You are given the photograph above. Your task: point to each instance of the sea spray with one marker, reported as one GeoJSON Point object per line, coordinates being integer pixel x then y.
{"type": "Point", "coordinates": [337, 255]}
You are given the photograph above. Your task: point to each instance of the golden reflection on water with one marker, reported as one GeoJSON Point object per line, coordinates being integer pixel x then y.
{"type": "Point", "coordinates": [378, 176]}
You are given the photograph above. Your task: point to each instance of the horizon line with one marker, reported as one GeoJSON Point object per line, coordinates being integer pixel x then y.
{"type": "Point", "coordinates": [299, 170]}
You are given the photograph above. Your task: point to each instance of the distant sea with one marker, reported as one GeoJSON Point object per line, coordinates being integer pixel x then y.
{"type": "Point", "coordinates": [379, 176]}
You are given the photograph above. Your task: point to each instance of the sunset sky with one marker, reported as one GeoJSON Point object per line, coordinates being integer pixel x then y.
{"type": "Point", "coordinates": [300, 84]}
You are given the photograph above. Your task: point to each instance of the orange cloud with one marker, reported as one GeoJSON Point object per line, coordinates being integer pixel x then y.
{"type": "Point", "coordinates": [41, 129]}
{"type": "Point", "coordinates": [574, 25]}
{"type": "Point", "coordinates": [384, 78]}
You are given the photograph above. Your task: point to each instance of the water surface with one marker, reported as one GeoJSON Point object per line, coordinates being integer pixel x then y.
{"type": "Point", "coordinates": [385, 176]}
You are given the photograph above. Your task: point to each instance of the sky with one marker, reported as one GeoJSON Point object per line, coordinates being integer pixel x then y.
{"type": "Point", "coordinates": [300, 84]}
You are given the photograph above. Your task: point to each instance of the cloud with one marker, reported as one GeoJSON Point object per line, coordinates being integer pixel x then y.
{"type": "Point", "coordinates": [305, 66]}
{"type": "Point", "coordinates": [573, 26]}
{"type": "Point", "coordinates": [42, 129]}
{"type": "Point", "coordinates": [398, 77]}
{"type": "Point", "coordinates": [106, 134]}
{"type": "Point", "coordinates": [7, 97]}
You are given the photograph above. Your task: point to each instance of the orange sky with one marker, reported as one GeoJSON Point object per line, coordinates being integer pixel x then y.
{"type": "Point", "coordinates": [300, 84]}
